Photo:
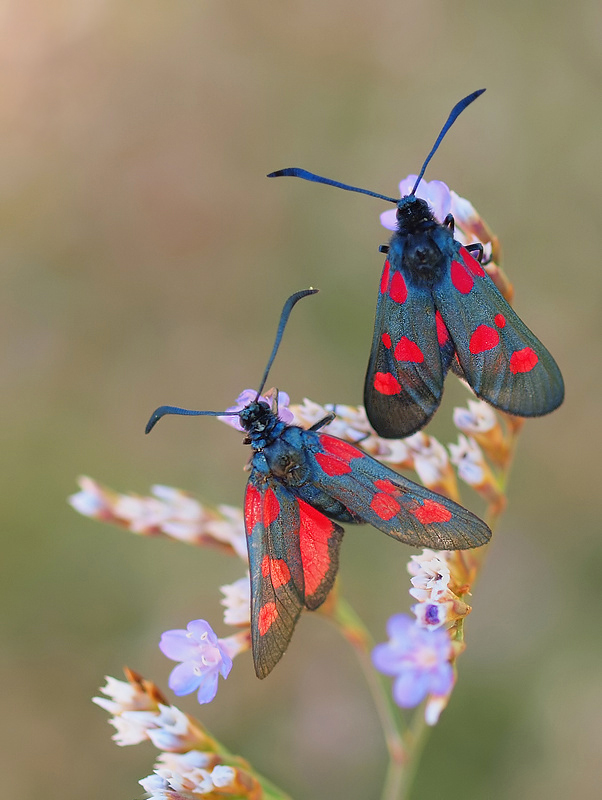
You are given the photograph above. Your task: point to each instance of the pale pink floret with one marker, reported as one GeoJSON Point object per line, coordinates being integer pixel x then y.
{"type": "Point", "coordinates": [468, 458]}
{"type": "Point", "coordinates": [237, 602]}
{"type": "Point", "coordinates": [478, 418]}
{"type": "Point", "coordinates": [430, 577]}
{"type": "Point", "coordinates": [170, 512]}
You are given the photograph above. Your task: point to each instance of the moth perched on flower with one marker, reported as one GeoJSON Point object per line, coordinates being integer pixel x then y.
{"type": "Point", "coordinates": [302, 484]}
{"type": "Point", "coordinates": [438, 309]}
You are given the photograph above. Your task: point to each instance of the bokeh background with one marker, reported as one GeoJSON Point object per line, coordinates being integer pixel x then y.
{"type": "Point", "coordinates": [145, 259]}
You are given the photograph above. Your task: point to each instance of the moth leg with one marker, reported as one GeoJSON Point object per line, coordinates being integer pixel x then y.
{"type": "Point", "coordinates": [320, 424]}
{"type": "Point", "coordinates": [383, 248]}
{"type": "Point", "coordinates": [448, 222]}
{"type": "Point", "coordinates": [476, 248]}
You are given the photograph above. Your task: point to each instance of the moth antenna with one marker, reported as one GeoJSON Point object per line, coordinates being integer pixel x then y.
{"type": "Point", "coordinates": [297, 172]}
{"type": "Point", "coordinates": [163, 411]}
{"type": "Point", "coordinates": [454, 114]}
{"type": "Point", "coordinates": [286, 312]}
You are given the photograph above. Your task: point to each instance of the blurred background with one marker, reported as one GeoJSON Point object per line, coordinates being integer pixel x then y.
{"type": "Point", "coordinates": [145, 259]}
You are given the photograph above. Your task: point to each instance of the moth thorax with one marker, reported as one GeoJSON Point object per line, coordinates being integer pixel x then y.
{"type": "Point", "coordinates": [421, 255]}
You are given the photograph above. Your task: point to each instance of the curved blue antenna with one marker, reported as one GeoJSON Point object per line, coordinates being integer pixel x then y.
{"type": "Point", "coordinates": [454, 114]}
{"type": "Point", "coordinates": [163, 411]}
{"type": "Point", "coordinates": [286, 312]}
{"type": "Point", "coordinates": [297, 172]}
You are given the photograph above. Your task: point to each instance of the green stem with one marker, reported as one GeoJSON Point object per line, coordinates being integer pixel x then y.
{"type": "Point", "coordinates": [415, 742]}
{"type": "Point", "coordinates": [353, 629]}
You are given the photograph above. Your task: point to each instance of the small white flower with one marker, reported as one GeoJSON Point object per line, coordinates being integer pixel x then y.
{"type": "Point", "coordinates": [222, 776]}
{"type": "Point", "coordinates": [431, 576]}
{"type": "Point", "coordinates": [172, 729]}
{"type": "Point", "coordinates": [125, 696]}
{"type": "Point", "coordinates": [230, 530]}
{"type": "Point", "coordinates": [391, 451]}
{"type": "Point", "coordinates": [237, 602]}
{"type": "Point", "coordinates": [468, 458]}
{"type": "Point", "coordinates": [479, 417]}
{"type": "Point", "coordinates": [431, 461]}
{"type": "Point", "coordinates": [141, 514]}
{"type": "Point", "coordinates": [130, 731]}
{"type": "Point", "coordinates": [350, 422]}
{"type": "Point", "coordinates": [183, 762]}
{"type": "Point", "coordinates": [91, 500]}
{"type": "Point", "coordinates": [157, 787]}
{"type": "Point", "coordinates": [434, 706]}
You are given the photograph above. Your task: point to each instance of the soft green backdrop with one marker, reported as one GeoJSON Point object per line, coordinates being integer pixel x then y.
{"type": "Point", "coordinates": [145, 259]}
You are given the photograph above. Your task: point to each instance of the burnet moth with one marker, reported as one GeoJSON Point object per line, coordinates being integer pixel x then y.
{"type": "Point", "coordinates": [437, 308]}
{"type": "Point", "coordinates": [302, 484]}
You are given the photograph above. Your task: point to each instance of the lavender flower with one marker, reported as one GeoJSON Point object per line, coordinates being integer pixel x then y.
{"type": "Point", "coordinates": [202, 657]}
{"type": "Point", "coordinates": [418, 658]}
{"type": "Point", "coordinates": [248, 396]}
{"type": "Point", "coordinates": [436, 194]}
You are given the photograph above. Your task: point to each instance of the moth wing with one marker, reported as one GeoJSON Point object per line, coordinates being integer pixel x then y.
{"type": "Point", "coordinates": [502, 360]}
{"type": "Point", "coordinates": [293, 559]}
{"type": "Point", "coordinates": [388, 501]}
{"type": "Point", "coordinates": [404, 380]}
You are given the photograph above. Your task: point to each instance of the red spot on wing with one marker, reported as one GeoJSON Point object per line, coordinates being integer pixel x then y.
{"type": "Point", "coordinates": [384, 281]}
{"type": "Point", "coordinates": [386, 339]}
{"type": "Point", "coordinates": [386, 383]}
{"type": "Point", "coordinates": [484, 338]}
{"type": "Point", "coordinates": [442, 332]}
{"type": "Point", "coordinates": [268, 614]}
{"type": "Point", "coordinates": [332, 465]}
{"type": "Point", "coordinates": [386, 486]}
{"type": "Point", "coordinates": [271, 507]}
{"type": "Point", "coordinates": [461, 277]}
{"type": "Point", "coordinates": [340, 448]}
{"type": "Point", "coordinates": [500, 320]}
{"type": "Point", "coordinates": [277, 569]}
{"type": "Point", "coordinates": [398, 291]}
{"type": "Point", "coordinates": [471, 262]}
{"type": "Point", "coordinates": [252, 508]}
{"type": "Point", "coordinates": [385, 506]}
{"type": "Point", "coordinates": [315, 531]}
{"type": "Point", "coordinates": [431, 511]}
{"type": "Point", "coordinates": [407, 350]}
{"type": "Point", "coordinates": [523, 360]}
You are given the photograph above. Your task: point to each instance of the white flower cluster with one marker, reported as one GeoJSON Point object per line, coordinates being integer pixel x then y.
{"type": "Point", "coordinates": [190, 775]}
{"type": "Point", "coordinates": [138, 717]}
{"type": "Point", "coordinates": [430, 586]}
{"type": "Point", "coordinates": [167, 511]}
